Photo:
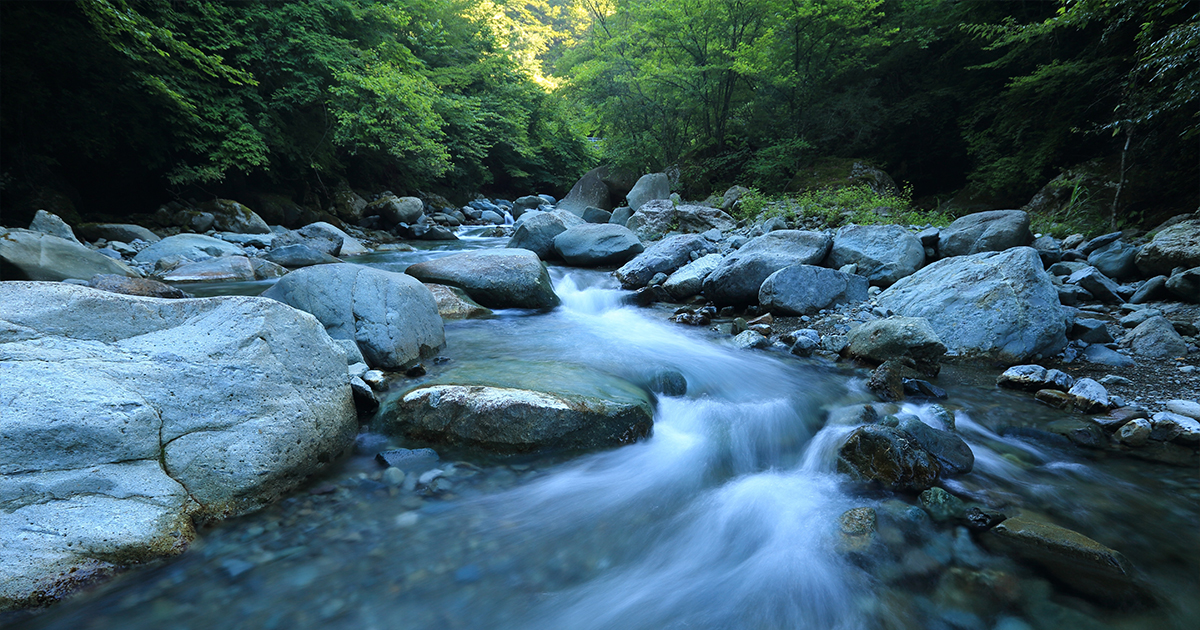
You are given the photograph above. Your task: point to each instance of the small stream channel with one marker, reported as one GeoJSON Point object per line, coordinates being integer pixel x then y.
{"type": "Point", "coordinates": [727, 517]}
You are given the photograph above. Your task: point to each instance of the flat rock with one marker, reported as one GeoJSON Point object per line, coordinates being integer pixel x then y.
{"type": "Point", "coordinates": [144, 287]}
{"type": "Point", "coordinates": [806, 289]}
{"type": "Point", "coordinates": [1189, 408]}
{"type": "Point", "coordinates": [223, 269]}
{"type": "Point", "coordinates": [454, 303]}
{"type": "Point", "coordinates": [495, 278]}
{"type": "Point", "coordinates": [995, 304]}
{"type": "Point", "coordinates": [991, 231]}
{"type": "Point", "coordinates": [391, 316]}
{"type": "Point", "coordinates": [30, 255]}
{"type": "Point", "coordinates": [298, 255]}
{"type": "Point", "coordinates": [189, 246]}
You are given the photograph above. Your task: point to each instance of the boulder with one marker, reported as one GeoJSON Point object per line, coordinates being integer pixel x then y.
{"type": "Point", "coordinates": [596, 215]}
{"type": "Point", "coordinates": [806, 289]}
{"type": "Point", "coordinates": [393, 210]}
{"type": "Point", "coordinates": [495, 278]}
{"type": "Point", "coordinates": [1048, 249]}
{"type": "Point", "coordinates": [991, 231]}
{"type": "Point", "coordinates": [883, 253]}
{"type": "Point", "coordinates": [1115, 260]}
{"type": "Point", "coordinates": [124, 232]}
{"type": "Point", "coordinates": [1156, 338]}
{"type": "Point", "coordinates": [660, 216]}
{"type": "Point", "coordinates": [595, 245]}
{"type": "Point", "coordinates": [392, 317]}
{"type": "Point", "coordinates": [348, 245]}
{"type": "Point", "coordinates": [947, 448]}
{"type": "Point", "coordinates": [231, 216]}
{"type": "Point", "coordinates": [994, 304]}
{"type": "Point", "coordinates": [454, 303]}
{"type": "Point", "coordinates": [1035, 377]}
{"type": "Point", "coordinates": [524, 204]}
{"type": "Point", "coordinates": [621, 215]}
{"type": "Point", "coordinates": [665, 256]}
{"type": "Point", "coordinates": [346, 205]}
{"type": "Point", "coordinates": [223, 269]}
{"type": "Point", "coordinates": [144, 287]}
{"type": "Point", "coordinates": [128, 418]}
{"type": "Point", "coordinates": [523, 407]}
{"type": "Point", "coordinates": [491, 216]}
{"type": "Point", "coordinates": [1105, 356]}
{"type": "Point", "coordinates": [689, 279]}
{"type": "Point", "coordinates": [536, 231]}
{"type": "Point", "coordinates": [30, 255]}
{"type": "Point", "coordinates": [189, 246]}
{"type": "Point", "coordinates": [894, 337]}
{"type": "Point", "coordinates": [1074, 559]}
{"type": "Point", "coordinates": [1185, 285]}
{"type": "Point", "coordinates": [1097, 284]}
{"type": "Point", "coordinates": [298, 255]}
{"type": "Point", "coordinates": [1152, 290]}
{"type": "Point", "coordinates": [51, 224]}
{"type": "Point", "coordinates": [740, 275]}
{"type": "Point", "coordinates": [590, 190]}
{"type": "Point", "coordinates": [648, 188]}
{"type": "Point", "coordinates": [875, 453]}
{"type": "Point", "coordinates": [1175, 246]}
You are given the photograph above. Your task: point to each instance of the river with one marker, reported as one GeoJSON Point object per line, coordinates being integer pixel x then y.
{"type": "Point", "coordinates": [727, 517]}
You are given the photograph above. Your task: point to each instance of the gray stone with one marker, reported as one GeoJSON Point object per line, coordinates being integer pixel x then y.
{"type": "Point", "coordinates": [536, 231]}
{"type": "Point", "coordinates": [524, 204]}
{"type": "Point", "coordinates": [231, 216]}
{"type": "Point", "coordinates": [298, 256]}
{"type": "Point", "coordinates": [1106, 356]}
{"type": "Point", "coordinates": [409, 460]}
{"type": "Point", "coordinates": [49, 223]}
{"type": "Point", "coordinates": [1035, 377]}
{"type": "Point", "coordinates": [1189, 408]}
{"type": "Point", "coordinates": [689, 279]}
{"type": "Point", "coordinates": [489, 216]}
{"type": "Point", "coordinates": [648, 188]}
{"type": "Point", "coordinates": [596, 215]}
{"type": "Point", "coordinates": [880, 454]}
{"type": "Point", "coordinates": [1185, 285]}
{"type": "Point", "coordinates": [261, 241]}
{"type": "Point", "coordinates": [1115, 260]}
{"type": "Point", "coordinates": [30, 255]}
{"type": "Point", "coordinates": [223, 269]}
{"type": "Point", "coordinates": [1048, 249]}
{"type": "Point", "coordinates": [454, 303]}
{"type": "Point", "coordinates": [349, 246]}
{"type": "Point", "coordinates": [992, 231]}
{"type": "Point", "coordinates": [1090, 330]}
{"type": "Point", "coordinates": [124, 232]}
{"type": "Point", "coordinates": [883, 253]}
{"type": "Point", "coordinates": [1135, 432]}
{"type": "Point", "coordinates": [144, 287]}
{"type": "Point", "coordinates": [1152, 290]}
{"type": "Point", "coordinates": [621, 215]}
{"type": "Point", "coordinates": [1175, 246]}
{"type": "Point", "coordinates": [1098, 284]}
{"type": "Point", "coordinates": [1133, 319]}
{"type": "Point", "coordinates": [393, 210]}
{"type": "Point", "coordinates": [1176, 425]}
{"type": "Point", "coordinates": [595, 245]}
{"type": "Point", "coordinates": [950, 450]}
{"type": "Point", "coordinates": [941, 505]}
{"type": "Point", "coordinates": [1156, 338]}
{"type": "Point", "coordinates": [126, 418]}
{"type": "Point", "coordinates": [740, 275]}
{"type": "Point", "coordinates": [806, 289]}
{"type": "Point", "coordinates": [668, 382]}
{"type": "Point", "coordinates": [1072, 295]}
{"type": "Point", "coordinates": [590, 190]}
{"type": "Point", "coordinates": [994, 304]}
{"type": "Point", "coordinates": [1066, 268]}
{"type": "Point", "coordinates": [392, 317]}
{"type": "Point", "coordinates": [749, 339]}
{"type": "Point", "coordinates": [1089, 396]}
{"type": "Point", "coordinates": [658, 217]}
{"type": "Point", "coordinates": [189, 246]}
{"type": "Point", "coordinates": [495, 278]}
{"type": "Point", "coordinates": [665, 256]}
{"type": "Point", "coordinates": [895, 337]}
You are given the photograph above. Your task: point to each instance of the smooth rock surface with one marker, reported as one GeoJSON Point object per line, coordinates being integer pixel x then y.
{"type": "Point", "coordinates": [875, 453]}
{"type": "Point", "coordinates": [454, 303]}
{"type": "Point", "coordinates": [495, 278]}
{"type": "Point", "coordinates": [124, 232]}
{"type": "Point", "coordinates": [689, 279]}
{"type": "Point", "coordinates": [648, 188]}
{"type": "Point", "coordinates": [190, 246]}
{"type": "Point", "coordinates": [595, 245]}
{"type": "Point", "coordinates": [535, 232]}
{"type": "Point", "coordinates": [391, 316]}
{"type": "Point", "coordinates": [994, 304]}
{"type": "Point", "coordinates": [29, 255]}
{"type": "Point", "coordinates": [144, 287]}
{"type": "Point", "coordinates": [991, 231]}
{"type": "Point", "coordinates": [665, 256]}
{"type": "Point", "coordinates": [737, 280]}
{"type": "Point", "coordinates": [1175, 246]}
{"type": "Point", "coordinates": [884, 339]}
{"type": "Point", "coordinates": [298, 255]}
{"type": "Point", "coordinates": [883, 253]}
{"type": "Point", "coordinates": [1156, 338]}
{"type": "Point", "coordinates": [806, 289]}
{"type": "Point", "coordinates": [52, 224]}
{"type": "Point", "coordinates": [223, 269]}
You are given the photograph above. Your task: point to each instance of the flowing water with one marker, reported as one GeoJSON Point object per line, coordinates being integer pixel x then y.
{"type": "Point", "coordinates": [727, 517]}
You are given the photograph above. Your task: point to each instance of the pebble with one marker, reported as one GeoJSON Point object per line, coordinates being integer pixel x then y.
{"type": "Point", "coordinates": [1112, 379]}
{"type": "Point", "coordinates": [393, 476]}
{"type": "Point", "coordinates": [375, 378]}
{"type": "Point", "coordinates": [407, 519]}
{"type": "Point", "coordinates": [1089, 396]}
{"type": "Point", "coordinates": [429, 475]}
{"type": "Point", "coordinates": [1136, 432]}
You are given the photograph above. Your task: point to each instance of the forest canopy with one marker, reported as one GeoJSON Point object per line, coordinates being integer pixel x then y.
{"type": "Point", "coordinates": [503, 96]}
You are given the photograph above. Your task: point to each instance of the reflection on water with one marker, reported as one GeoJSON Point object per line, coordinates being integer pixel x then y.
{"type": "Point", "coordinates": [727, 517]}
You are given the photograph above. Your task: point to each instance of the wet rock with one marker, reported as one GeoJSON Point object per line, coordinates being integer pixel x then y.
{"type": "Point", "coordinates": [950, 450]}
{"type": "Point", "coordinates": [29, 255]}
{"type": "Point", "coordinates": [1080, 432]}
{"type": "Point", "coordinates": [1054, 398]}
{"type": "Point", "coordinates": [1118, 417]}
{"type": "Point", "coordinates": [495, 278]}
{"type": "Point", "coordinates": [749, 339]}
{"type": "Point", "coordinates": [1079, 562]}
{"type": "Point", "coordinates": [668, 382]}
{"type": "Point", "coordinates": [393, 476]}
{"type": "Point", "coordinates": [991, 231]}
{"type": "Point", "coordinates": [1156, 338]}
{"type": "Point", "coordinates": [887, 456]}
{"type": "Point", "coordinates": [806, 289]}
{"type": "Point", "coordinates": [689, 279]}
{"type": "Point", "coordinates": [189, 246]}
{"type": "Point", "coordinates": [409, 460]}
{"type": "Point", "coordinates": [536, 233]}
{"type": "Point", "coordinates": [941, 505]}
{"type": "Point", "coordinates": [883, 253]}
{"type": "Point", "coordinates": [1185, 285]}
{"type": "Point", "coordinates": [1089, 396]}
{"type": "Point", "coordinates": [918, 388]}
{"type": "Point", "coordinates": [856, 530]}
{"type": "Point", "coordinates": [665, 256]}
{"type": "Point", "coordinates": [365, 399]}
{"type": "Point", "coordinates": [1171, 426]}
{"type": "Point", "coordinates": [894, 337]}
{"type": "Point", "coordinates": [1135, 432]}
{"type": "Point", "coordinates": [1035, 377]}
{"type": "Point", "coordinates": [1099, 285]}
{"type": "Point", "coordinates": [736, 281]}
{"type": "Point", "coordinates": [1189, 408]}
{"type": "Point", "coordinates": [144, 287]}
{"type": "Point", "coordinates": [853, 415]}
{"type": "Point", "coordinates": [1175, 246]}
{"type": "Point", "coordinates": [491, 216]}
{"type": "Point", "coordinates": [997, 304]}
{"type": "Point", "coordinates": [293, 256]}
{"type": "Point", "coordinates": [104, 445]}
{"type": "Point", "coordinates": [887, 381]}
{"type": "Point", "coordinates": [223, 269]}
{"type": "Point", "coordinates": [980, 519]}
{"type": "Point", "coordinates": [454, 303]}
{"type": "Point", "coordinates": [392, 317]}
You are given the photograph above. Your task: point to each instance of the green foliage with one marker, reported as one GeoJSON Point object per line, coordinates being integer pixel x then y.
{"type": "Point", "coordinates": [833, 207]}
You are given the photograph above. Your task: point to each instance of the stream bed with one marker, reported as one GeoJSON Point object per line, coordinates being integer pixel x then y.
{"type": "Point", "coordinates": [726, 517]}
